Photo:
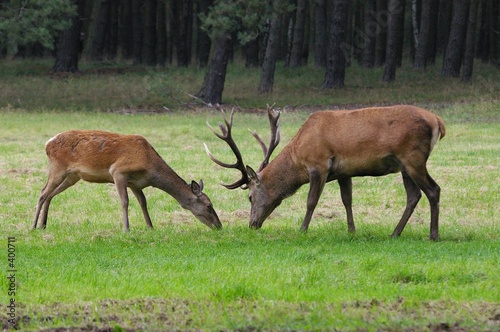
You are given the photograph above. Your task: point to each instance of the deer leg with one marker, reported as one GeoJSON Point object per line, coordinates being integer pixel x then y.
{"type": "Point", "coordinates": [317, 183]}
{"type": "Point", "coordinates": [346, 194]}
{"type": "Point", "coordinates": [50, 190]}
{"type": "Point", "coordinates": [432, 190]}
{"type": "Point", "coordinates": [144, 206]}
{"type": "Point", "coordinates": [413, 195]}
{"type": "Point", "coordinates": [41, 201]}
{"type": "Point", "coordinates": [121, 187]}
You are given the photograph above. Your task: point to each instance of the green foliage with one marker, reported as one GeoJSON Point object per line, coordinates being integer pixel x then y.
{"type": "Point", "coordinates": [26, 22]}
{"type": "Point", "coordinates": [245, 18]}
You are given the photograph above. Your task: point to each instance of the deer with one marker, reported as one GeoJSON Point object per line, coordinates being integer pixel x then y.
{"type": "Point", "coordinates": [125, 160]}
{"type": "Point", "coordinates": [339, 145]}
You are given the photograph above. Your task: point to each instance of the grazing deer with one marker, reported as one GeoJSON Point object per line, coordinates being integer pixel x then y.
{"type": "Point", "coordinates": [339, 145]}
{"type": "Point", "coordinates": [125, 160]}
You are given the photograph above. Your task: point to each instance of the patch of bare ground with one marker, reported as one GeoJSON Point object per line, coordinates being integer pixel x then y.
{"type": "Point", "coordinates": [178, 314]}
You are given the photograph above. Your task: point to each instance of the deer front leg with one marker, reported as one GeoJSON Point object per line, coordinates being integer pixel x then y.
{"type": "Point", "coordinates": [317, 183]}
{"type": "Point", "coordinates": [144, 206]}
{"type": "Point", "coordinates": [346, 195]}
{"type": "Point", "coordinates": [121, 187]}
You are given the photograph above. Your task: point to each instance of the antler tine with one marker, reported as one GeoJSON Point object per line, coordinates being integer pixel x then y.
{"type": "Point", "coordinates": [227, 137]}
{"type": "Point", "coordinates": [274, 116]}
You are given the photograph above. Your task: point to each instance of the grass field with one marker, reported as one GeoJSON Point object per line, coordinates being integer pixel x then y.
{"type": "Point", "coordinates": [83, 272]}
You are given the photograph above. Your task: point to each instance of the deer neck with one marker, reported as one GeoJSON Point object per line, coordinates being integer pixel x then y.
{"type": "Point", "coordinates": [166, 179]}
{"type": "Point", "coordinates": [283, 177]}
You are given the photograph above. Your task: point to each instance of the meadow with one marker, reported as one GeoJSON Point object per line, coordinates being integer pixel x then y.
{"type": "Point", "coordinates": [84, 273]}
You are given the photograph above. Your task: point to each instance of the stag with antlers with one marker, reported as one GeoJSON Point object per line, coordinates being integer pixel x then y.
{"type": "Point", "coordinates": [340, 145]}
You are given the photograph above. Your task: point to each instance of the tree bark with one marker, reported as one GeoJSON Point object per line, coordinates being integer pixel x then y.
{"type": "Point", "coordinates": [444, 24]}
{"type": "Point", "coordinates": [100, 26]}
{"type": "Point", "coordinates": [423, 36]}
{"type": "Point", "coordinates": [203, 41]}
{"type": "Point", "coordinates": [68, 45]}
{"type": "Point", "coordinates": [125, 33]}
{"type": "Point", "coordinates": [320, 33]}
{"type": "Point", "coordinates": [183, 11]}
{"type": "Point", "coordinates": [454, 50]}
{"type": "Point", "coordinates": [336, 58]}
{"type": "Point", "coordinates": [271, 55]}
{"type": "Point", "coordinates": [149, 46]}
{"type": "Point", "coordinates": [298, 34]}
{"type": "Point", "coordinates": [382, 17]}
{"type": "Point", "coordinates": [432, 43]}
{"type": "Point", "coordinates": [252, 51]}
{"type": "Point", "coordinates": [161, 33]}
{"type": "Point", "coordinates": [470, 42]}
{"type": "Point", "coordinates": [213, 84]}
{"type": "Point", "coordinates": [370, 34]}
{"type": "Point", "coordinates": [137, 31]}
{"type": "Point", "coordinates": [394, 38]}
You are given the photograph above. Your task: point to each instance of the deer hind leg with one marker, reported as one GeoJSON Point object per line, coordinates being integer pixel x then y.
{"type": "Point", "coordinates": [346, 195]}
{"type": "Point", "coordinates": [432, 190]}
{"type": "Point", "coordinates": [121, 186]}
{"type": "Point", "coordinates": [53, 187]}
{"type": "Point", "coordinates": [317, 183]}
{"type": "Point", "coordinates": [413, 196]}
{"type": "Point", "coordinates": [144, 206]}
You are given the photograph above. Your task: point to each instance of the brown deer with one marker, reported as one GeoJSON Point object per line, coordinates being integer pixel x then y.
{"type": "Point", "coordinates": [339, 145]}
{"type": "Point", "coordinates": [125, 160]}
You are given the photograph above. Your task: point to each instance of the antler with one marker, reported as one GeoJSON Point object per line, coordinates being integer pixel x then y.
{"type": "Point", "coordinates": [226, 137]}
{"type": "Point", "coordinates": [274, 116]}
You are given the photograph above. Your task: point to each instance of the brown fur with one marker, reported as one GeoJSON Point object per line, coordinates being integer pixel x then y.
{"type": "Point", "coordinates": [339, 145]}
{"type": "Point", "coordinates": [126, 160]}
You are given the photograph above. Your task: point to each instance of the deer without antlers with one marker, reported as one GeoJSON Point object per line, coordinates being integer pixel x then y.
{"type": "Point", "coordinates": [339, 145]}
{"type": "Point", "coordinates": [125, 160]}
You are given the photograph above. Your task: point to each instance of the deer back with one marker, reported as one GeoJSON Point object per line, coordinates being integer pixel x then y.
{"type": "Point", "coordinates": [361, 137]}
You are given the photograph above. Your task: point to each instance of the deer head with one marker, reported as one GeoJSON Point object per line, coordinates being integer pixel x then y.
{"type": "Point", "coordinates": [262, 200]}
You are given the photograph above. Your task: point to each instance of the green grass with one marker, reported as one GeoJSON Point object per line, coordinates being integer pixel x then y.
{"type": "Point", "coordinates": [84, 272]}
{"type": "Point", "coordinates": [120, 87]}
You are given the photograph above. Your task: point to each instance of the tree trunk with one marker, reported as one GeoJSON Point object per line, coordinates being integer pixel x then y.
{"type": "Point", "coordinates": [495, 33]}
{"type": "Point", "coordinates": [252, 51]}
{"type": "Point", "coordinates": [68, 45]}
{"type": "Point", "coordinates": [320, 33]}
{"type": "Point", "coordinates": [125, 34]}
{"type": "Point", "coordinates": [444, 24]}
{"type": "Point", "coordinates": [336, 58]}
{"type": "Point", "coordinates": [203, 41]}
{"type": "Point", "coordinates": [269, 63]}
{"type": "Point", "coordinates": [394, 38]}
{"type": "Point", "coordinates": [161, 33]}
{"type": "Point", "coordinates": [298, 34]}
{"type": "Point", "coordinates": [370, 34]}
{"type": "Point", "coordinates": [470, 42]}
{"type": "Point", "coordinates": [149, 46]}
{"type": "Point", "coordinates": [213, 84]}
{"type": "Point", "coordinates": [100, 26]}
{"type": "Point", "coordinates": [423, 36]}
{"type": "Point", "coordinates": [183, 11]}
{"type": "Point", "coordinates": [382, 17]}
{"type": "Point", "coordinates": [111, 36]}
{"type": "Point", "coordinates": [454, 49]}
{"type": "Point", "coordinates": [431, 45]}
{"type": "Point", "coordinates": [137, 29]}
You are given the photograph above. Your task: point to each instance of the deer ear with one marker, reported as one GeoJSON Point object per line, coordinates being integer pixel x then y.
{"type": "Point", "coordinates": [252, 175]}
{"type": "Point", "coordinates": [196, 188]}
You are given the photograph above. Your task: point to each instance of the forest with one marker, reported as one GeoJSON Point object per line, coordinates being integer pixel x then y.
{"type": "Point", "coordinates": [208, 34]}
